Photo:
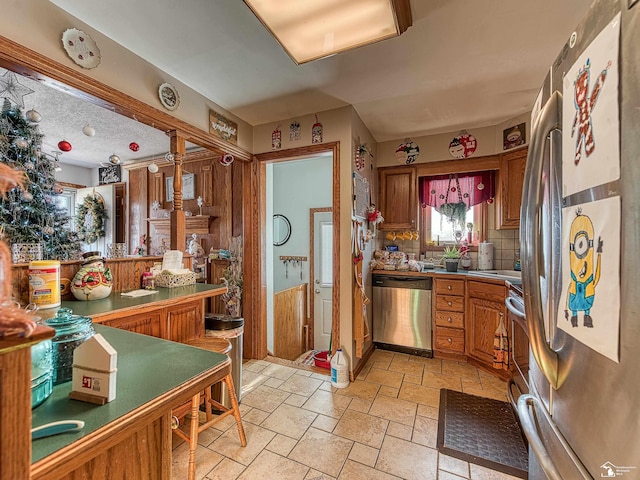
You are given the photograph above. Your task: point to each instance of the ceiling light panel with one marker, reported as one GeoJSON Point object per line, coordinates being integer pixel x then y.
{"type": "Point", "coordinates": [313, 29]}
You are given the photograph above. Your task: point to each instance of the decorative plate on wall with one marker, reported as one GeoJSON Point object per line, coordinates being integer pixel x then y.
{"type": "Point", "coordinates": [81, 48]}
{"type": "Point", "coordinates": [168, 96]}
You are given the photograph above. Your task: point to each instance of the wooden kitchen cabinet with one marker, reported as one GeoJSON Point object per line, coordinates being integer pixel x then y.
{"type": "Point", "coordinates": [509, 192]}
{"type": "Point", "coordinates": [178, 323]}
{"type": "Point", "coordinates": [448, 315]}
{"type": "Point", "coordinates": [484, 310]}
{"type": "Point", "coordinates": [398, 197]}
{"type": "Point", "coordinates": [146, 324]}
{"type": "Point", "coordinates": [184, 322]}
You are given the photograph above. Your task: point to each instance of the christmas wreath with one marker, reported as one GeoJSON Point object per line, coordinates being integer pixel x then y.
{"type": "Point", "coordinates": [90, 218]}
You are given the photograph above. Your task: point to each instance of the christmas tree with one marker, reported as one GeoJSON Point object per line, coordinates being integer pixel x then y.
{"type": "Point", "coordinates": [31, 215]}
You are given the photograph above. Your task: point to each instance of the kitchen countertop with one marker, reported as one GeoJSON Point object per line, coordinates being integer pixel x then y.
{"type": "Point", "coordinates": [153, 376]}
{"type": "Point", "coordinates": [115, 304]}
{"type": "Point", "coordinates": [488, 275]}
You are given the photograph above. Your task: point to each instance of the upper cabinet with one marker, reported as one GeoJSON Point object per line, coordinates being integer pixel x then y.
{"type": "Point", "coordinates": [398, 197]}
{"type": "Point", "coordinates": [510, 183]}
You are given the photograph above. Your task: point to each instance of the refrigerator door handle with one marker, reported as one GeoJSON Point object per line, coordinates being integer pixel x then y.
{"type": "Point", "coordinates": [549, 119]}
{"type": "Point", "coordinates": [530, 431]}
{"type": "Point", "coordinates": [531, 412]}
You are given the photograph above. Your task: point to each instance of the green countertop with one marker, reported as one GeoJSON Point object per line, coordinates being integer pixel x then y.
{"type": "Point", "coordinates": [148, 367]}
{"type": "Point", "coordinates": [116, 301]}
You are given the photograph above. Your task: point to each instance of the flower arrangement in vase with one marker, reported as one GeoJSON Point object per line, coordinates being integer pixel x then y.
{"type": "Point", "coordinates": [451, 258]}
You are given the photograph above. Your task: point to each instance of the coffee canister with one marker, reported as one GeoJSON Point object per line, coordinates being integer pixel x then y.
{"type": "Point", "coordinates": [44, 283]}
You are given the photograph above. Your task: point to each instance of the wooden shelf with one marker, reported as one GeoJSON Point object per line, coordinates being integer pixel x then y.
{"type": "Point", "coordinates": [195, 224]}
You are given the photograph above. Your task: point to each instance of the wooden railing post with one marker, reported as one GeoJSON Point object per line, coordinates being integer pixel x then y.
{"type": "Point", "coordinates": [178, 220]}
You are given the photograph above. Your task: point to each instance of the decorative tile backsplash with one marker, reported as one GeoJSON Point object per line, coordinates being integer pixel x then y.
{"type": "Point", "coordinates": [506, 244]}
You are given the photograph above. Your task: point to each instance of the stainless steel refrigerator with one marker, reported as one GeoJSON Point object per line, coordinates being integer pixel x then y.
{"type": "Point", "coordinates": [580, 246]}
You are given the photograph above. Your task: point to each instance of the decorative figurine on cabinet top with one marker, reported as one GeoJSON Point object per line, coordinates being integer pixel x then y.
{"type": "Point", "coordinates": [93, 281]}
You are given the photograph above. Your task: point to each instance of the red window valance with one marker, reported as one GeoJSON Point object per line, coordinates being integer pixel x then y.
{"type": "Point", "coordinates": [456, 192]}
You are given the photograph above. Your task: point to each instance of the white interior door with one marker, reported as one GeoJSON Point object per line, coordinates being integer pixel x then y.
{"type": "Point", "coordinates": [323, 281]}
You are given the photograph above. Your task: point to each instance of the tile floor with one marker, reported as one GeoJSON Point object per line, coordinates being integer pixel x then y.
{"type": "Point", "coordinates": [382, 427]}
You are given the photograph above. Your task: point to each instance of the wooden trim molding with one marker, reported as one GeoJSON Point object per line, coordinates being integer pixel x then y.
{"type": "Point", "coordinates": [71, 185]}
{"type": "Point", "coordinates": [36, 66]}
{"type": "Point", "coordinates": [257, 251]}
{"type": "Point", "coordinates": [489, 162]}
{"type": "Point", "coordinates": [402, 11]}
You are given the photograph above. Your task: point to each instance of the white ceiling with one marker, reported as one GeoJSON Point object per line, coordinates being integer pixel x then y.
{"type": "Point", "coordinates": [463, 64]}
{"type": "Point", "coordinates": [64, 116]}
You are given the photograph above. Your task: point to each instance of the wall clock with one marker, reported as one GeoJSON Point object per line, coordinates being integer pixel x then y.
{"type": "Point", "coordinates": [168, 96]}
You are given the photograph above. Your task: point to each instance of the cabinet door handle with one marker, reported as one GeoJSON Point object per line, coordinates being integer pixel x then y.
{"type": "Point", "coordinates": [449, 303]}
{"type": "Point", "coordinates": [449, 340]}
{"type": "Point", "coordinates": [449, 320]}
{"type": "Point", "coordinates": [448, 287]}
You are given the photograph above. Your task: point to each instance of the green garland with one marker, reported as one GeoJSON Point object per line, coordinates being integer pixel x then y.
{"type": "Point", "coordinates": [90, 219]}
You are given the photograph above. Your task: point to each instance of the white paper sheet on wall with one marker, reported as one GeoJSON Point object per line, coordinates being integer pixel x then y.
{"type": "Point", "coordinates": [590, 115]}
{"type": "Point", "coordinates": [589, 308]}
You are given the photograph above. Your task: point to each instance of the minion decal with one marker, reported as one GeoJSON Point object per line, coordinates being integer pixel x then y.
{"type": "Point", "coordinates": [585, 275]}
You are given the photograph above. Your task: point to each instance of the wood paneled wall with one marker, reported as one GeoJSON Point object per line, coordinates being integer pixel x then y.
{"type": "Point", "coordinates": [126, 272]}
{"type": "Point", "coordinates": [213, 182]}
{"type": "Point", "coordinates": [289, 320]}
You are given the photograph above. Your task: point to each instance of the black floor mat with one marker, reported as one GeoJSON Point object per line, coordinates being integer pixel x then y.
{"type": "Point", "coordinates": [482, 431]}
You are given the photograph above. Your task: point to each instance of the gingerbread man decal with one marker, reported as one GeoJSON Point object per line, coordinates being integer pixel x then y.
{"type": "Point", "coordinates": [584, 106]}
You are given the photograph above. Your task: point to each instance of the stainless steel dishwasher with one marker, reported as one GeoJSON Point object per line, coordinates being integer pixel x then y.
{"type": "Point", "coordinates": [402, 313]}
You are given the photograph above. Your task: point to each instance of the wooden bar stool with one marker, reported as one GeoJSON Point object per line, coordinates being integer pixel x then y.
{"type": "Point", "coordinates": [219, 345]}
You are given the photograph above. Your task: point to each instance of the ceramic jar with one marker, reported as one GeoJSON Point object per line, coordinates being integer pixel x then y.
{"type": "Point", "coordinates": [93, 281]}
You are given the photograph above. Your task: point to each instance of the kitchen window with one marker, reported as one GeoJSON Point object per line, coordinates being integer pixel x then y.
{"type": "Point", "coordinates": [453, 207]}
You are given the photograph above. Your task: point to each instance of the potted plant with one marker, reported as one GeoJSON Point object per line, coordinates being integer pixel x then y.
{"type": "Point", "coordinates": [451, 258]}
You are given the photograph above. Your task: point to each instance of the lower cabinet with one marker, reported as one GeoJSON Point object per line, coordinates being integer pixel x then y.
{"type": "Point", "coordinates": [146, 324]}
{"type": "Point", "coordinates": [184, 322]}
{"type": "Point", "coordinates": [448, 314]}
{"type": "Point", "coordinates": [485, 308]}
{"type": "Point", "coordinates": [178, 323]}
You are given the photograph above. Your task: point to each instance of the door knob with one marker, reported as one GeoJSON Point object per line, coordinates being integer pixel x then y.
{"type": "Point", "coordinates": [448, 287]}
{"type": "Point", "coordinates": [317, 290]}
{"type": "Point", "coordinates": [449, 303]}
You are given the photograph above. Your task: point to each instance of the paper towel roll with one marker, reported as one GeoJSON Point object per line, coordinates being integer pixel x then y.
{"type": "Point", "coordinates": [485, 256]}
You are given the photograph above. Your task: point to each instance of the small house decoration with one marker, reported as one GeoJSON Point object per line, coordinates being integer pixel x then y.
{"type": "Point", "coordinates": [316, 132]}
{"type": "Point", "coordinates": [94, 371]}
{"type": "Point", "coordinates": [294, 131]}
{"type": "Point", "coordinates": [276, 139]}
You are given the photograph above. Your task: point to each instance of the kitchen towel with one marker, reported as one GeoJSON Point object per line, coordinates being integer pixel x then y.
{"type": "Point", "coordinates": [485, 256]}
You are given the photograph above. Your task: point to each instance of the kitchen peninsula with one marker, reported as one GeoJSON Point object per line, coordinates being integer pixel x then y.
{"type": "Point", "coordinates": [130, 436]}
{"type": "Point", "coordinates": [175, 314]}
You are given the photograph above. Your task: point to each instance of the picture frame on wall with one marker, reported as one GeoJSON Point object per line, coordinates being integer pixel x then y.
{"type": "Point", "coordinates": [188, 187]}
{"type": "Point", "coordinates": [513, 137]}
{"type": "Point", "coordinates": [109, 174]}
